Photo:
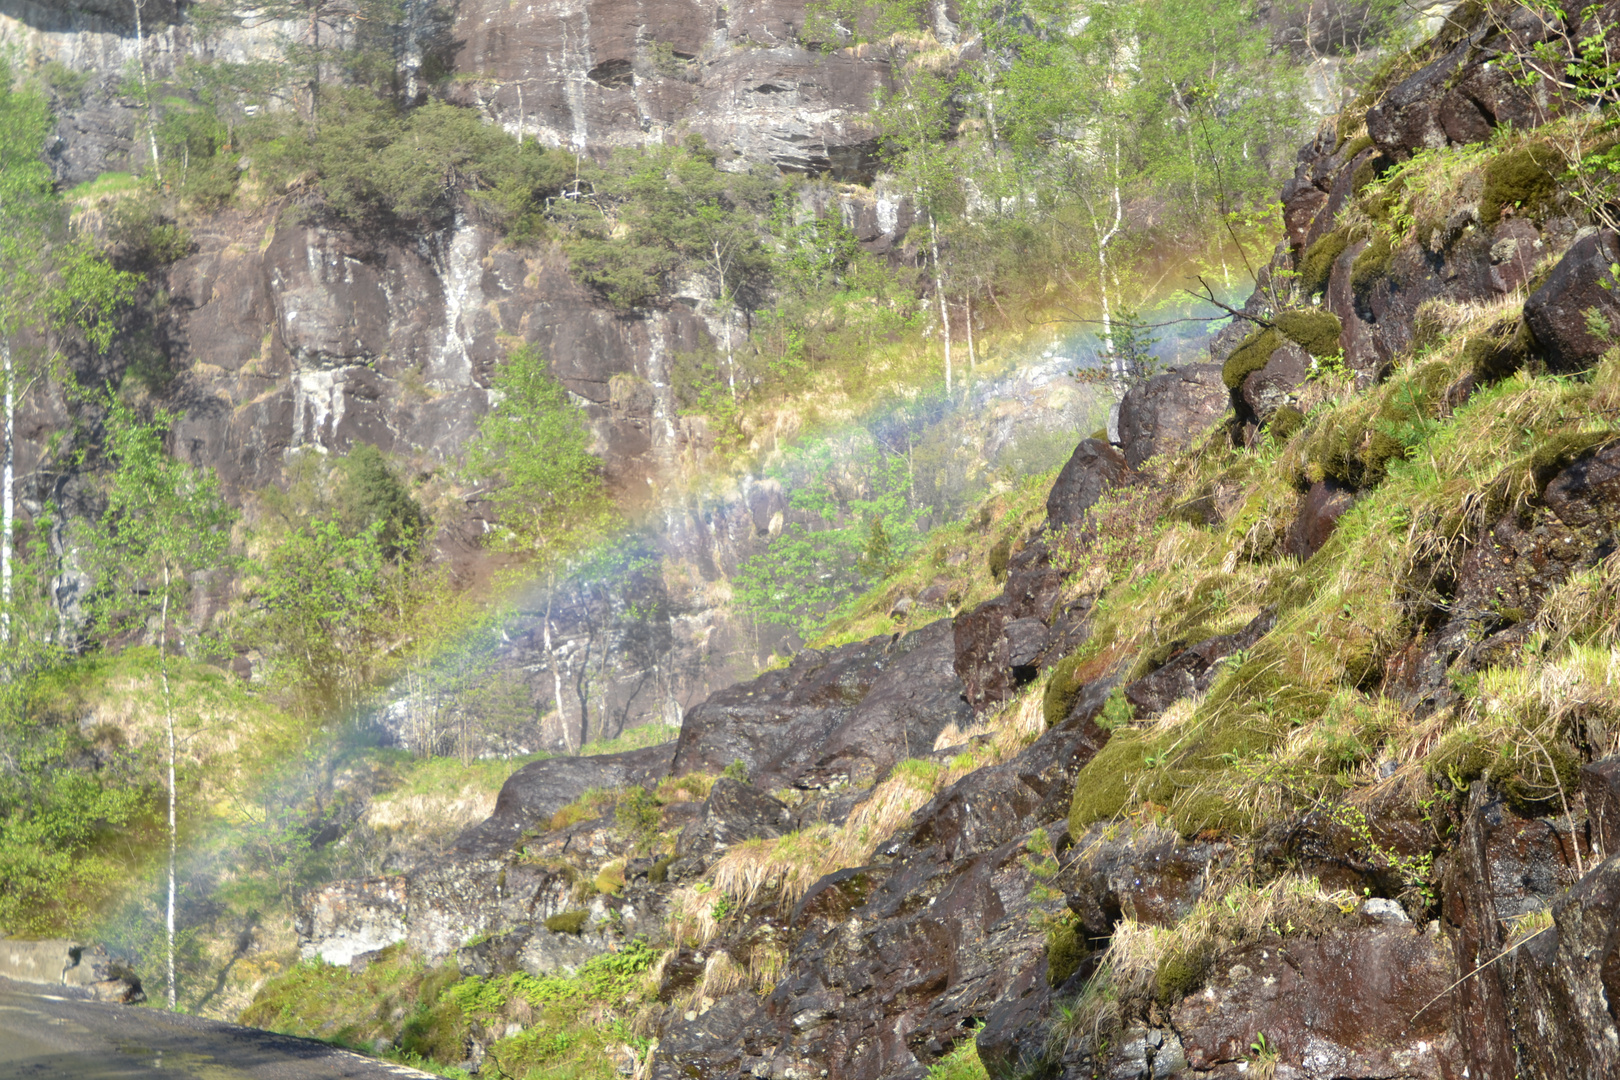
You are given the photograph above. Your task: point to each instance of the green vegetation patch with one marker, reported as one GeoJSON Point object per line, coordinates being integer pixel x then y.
{"type": "Point", "coordinates": [1371, 264]}
{"type": "Point", "coordinates": [1519, 180]}
{"type": "Point", "coordinates": [1284, 424]}
{"type": "Point", "coordinates": [1312, 329]}
{"type": "Point", "coordinates": [998, 558]}
{"type": "Point", "coordinates": [1063, 685]}
{"type": "Point", "coordinates": [1064, 951]}
{"type": "Point", "coordinates": [1250, 356]}
{"type": "Point", "coordinates": [1316, 263]}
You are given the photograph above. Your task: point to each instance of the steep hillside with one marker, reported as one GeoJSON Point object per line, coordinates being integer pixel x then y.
{"type": "Point", "coordinates": [1278, 740]}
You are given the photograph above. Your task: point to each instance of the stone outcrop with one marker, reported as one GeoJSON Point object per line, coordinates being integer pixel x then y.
{"type": "Point", "coordinates": [1169, 410]}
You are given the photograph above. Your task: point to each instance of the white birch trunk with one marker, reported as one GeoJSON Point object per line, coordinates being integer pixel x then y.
{"type": "Point", "coordinates": [168, 723]}
{"type": "Point", "coordinates": [939, 290]}
{"type": "Point", "coordinates": [146, 92]}
{"type": "Point", "coordinates": [8, 505]}
{"type": "Point", "coordinates": [556, 671]}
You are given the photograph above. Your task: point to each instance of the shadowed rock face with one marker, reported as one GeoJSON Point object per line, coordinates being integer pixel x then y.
{"type": "Point", "coordinates": [846, 714]}
{"type": "Point", "coordinates": [1557, 312]}
{"type": "Point", "coordinates": [1169, 410]}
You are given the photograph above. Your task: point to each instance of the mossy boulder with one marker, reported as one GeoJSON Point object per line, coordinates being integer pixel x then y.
{"type": "Point", "coordinates": [568, 922]}
{"type": "Point", "coordinates": [997, 560]}
{"type": "Point", "coordinates": [1063, 685]}
{"type": "Point", "coordinates": [1312, 329]}
{"type": "Point", "coordinates": [1316, 263]}
{"type": "Point", "coordinates": [1371, 264]}
{"type": "Point", "coordinates": [1064, 951]}
{"type": "Point", "coordinates": [1519, 180]}
{"type": "Point", "coordinates": [1250, 356]}
{"type": "Point", "coordinates": [1284, 424]}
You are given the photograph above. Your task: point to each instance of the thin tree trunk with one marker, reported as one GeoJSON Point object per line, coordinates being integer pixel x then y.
{"type": "Point", "coordinates": [146, 92]}
{"type": "Point", "coordinates": [8, 506]}
{"type": "Point", "coordinates": [973, 359]}
{"type": "Point", "coordinates": [556, 671]}
{"type": "Point", "coordinates": [939, 288]}
{"type": "Point", "coordinates": [168, 723]}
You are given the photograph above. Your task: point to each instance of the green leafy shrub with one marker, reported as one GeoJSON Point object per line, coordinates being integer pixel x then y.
{"type": "Point", "coordinates": [737, 770]}
{"type": "Point", "coordinates": [636, 814]}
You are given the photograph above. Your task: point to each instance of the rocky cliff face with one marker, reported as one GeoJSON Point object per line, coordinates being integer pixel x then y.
{"type": "Point", "coordinates": [1356, 934]}
{"type": "Point", "coordinates": [287, 338]}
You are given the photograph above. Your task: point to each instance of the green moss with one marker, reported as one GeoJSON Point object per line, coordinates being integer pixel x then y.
{"type": "Point", "coordinates": [1519, 179]}
{"type": "Point", "coordinates": [660, 870]}
{"type": "Point", "coordinates": [1316, 262]}
{"type": "Point", "coordinates": [569, 922]}
{"type": "Point", "coordinates": [1355, 146]}
{"type": "Point", "coordinates": [1101, 434]}
{"type": "Point", "coordinates": [1180, 974]}
{"type": "Point", "coordinates": [1250, 356]}
{"type": "Point", "coordinates": [1491, 357]}
{"type": "Point", "coordinates": [1062, 686]}
{"type": "Point", "coordinates": [1064, 951]}
{"type": "Point", "coordinates": [997, 560]}
{"type": "Point", "coordinates": [1371, 264]}
{"type": "Point", "coordinates": [1284, 424]}
{"type": "Point", "coordinates": [1312, 329]}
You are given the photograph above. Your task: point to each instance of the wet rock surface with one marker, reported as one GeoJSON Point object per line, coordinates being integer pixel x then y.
{"type": "Point", "coordinates": [1581, 282]}
{"type": "Point", "coordinates": [831, 716]}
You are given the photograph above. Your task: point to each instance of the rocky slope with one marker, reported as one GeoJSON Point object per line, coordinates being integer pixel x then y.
{"type": "Point", "coordinates": [1286, 748]}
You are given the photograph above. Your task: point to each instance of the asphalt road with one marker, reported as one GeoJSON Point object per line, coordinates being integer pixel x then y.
{"type": "Point", "coordinates": [43, 1035]}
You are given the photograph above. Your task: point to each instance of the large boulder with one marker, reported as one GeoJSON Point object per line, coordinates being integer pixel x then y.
{"type": "Point", "coordinates": [831, 716]}
{"type": "Point", "coordinates": [535, 792]}
{"type": "Point", "coordinates": [733, 812]}
{"type": "Point", "coordinates": [1094, 468]}
{"type": "Point", "coordinates": [1582, 282]}
{"type": "Point", "coordinates": [1352, 1004]}
{"type": "Point", "coordinates": [1170, 410]}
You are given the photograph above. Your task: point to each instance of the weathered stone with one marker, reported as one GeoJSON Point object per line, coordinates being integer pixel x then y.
{"type": "Point", "coordinates": [1579, 283]}
{"type": "Point", "coordinates": [535, 792]}
{"type": "Point", "coordinates": [1515, 249]}
{"type": "Point", "coordinates": [849, 712]}
{"type": "Point", "coordinates": [1193, 669]}
{"type": "Point", "coordinates": [1093, 469]}
{"type": "Point", "coordinates": [343, 920]}
{"type": "Point", "coordinates": [1269, 389]}
{"type": "Point", "coordinates": [1319, 513]}
{"type": "Point", "coordinates": [1600, 789]}
{"type": "Point", "coordinates": [733, 812]}
{"type": "Point", "coordinates": [1170, 410]}
{"type": "Point", "coordinates": [1356, 1004]}
{"type": "Point", "coordinates": [1409, 116]}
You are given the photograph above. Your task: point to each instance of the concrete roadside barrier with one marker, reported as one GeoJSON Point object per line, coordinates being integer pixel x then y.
{"type": "Point", "coordinates": [58, 962]}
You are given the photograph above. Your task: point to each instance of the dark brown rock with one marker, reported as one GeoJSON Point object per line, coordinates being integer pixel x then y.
{"type": "Point", "coordinates": [1515, 250]}
{"type": "Point", "coordinates": [1267, 390]}
{"type": "Point", "coordinates": [1170, 410]}
{"type": "Point", "coordinates": [1409, 116]}
{"type": "Point", "coordinates": [733, 812]}
{"type": "Point", "coordinates": [1319, 513]}
{"type": "Point", "coordinates": [1600, 789]}
{"type": "Point", "coordinates": [1356, 1004]}
{"type": "Point", "coordinates": [535, 792]}
{"type": "Point", "coordinates": [1579, 283]}
{"type": "Point", "coordinates": [1095, 467]}
{"type": "Point", "coordinates": [831, 717]}
{"type": "Point", "coordinates": [1193, 669]}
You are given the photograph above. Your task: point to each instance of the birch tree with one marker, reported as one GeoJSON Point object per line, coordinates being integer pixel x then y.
{"type": "Point", "coordinates": [165, 521]}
